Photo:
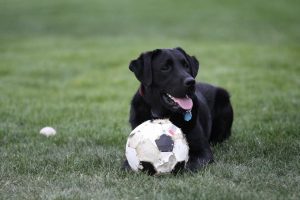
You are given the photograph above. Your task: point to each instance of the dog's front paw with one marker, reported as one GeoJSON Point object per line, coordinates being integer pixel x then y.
{"type": "Point", "coordinates": [196, 163]}
{"type": "Point", "coordinates": [126, 166]}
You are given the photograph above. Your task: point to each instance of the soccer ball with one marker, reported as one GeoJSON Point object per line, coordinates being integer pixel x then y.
{"type": "Point", "coordinates": [157, 147]}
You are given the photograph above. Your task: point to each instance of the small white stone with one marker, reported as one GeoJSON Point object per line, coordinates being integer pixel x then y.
{"type": "Point", "coordinates": [48, 131]}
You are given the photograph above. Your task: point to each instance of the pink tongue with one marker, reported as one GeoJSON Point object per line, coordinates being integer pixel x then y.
{"type": "Point", "coordinates": [185, 103]}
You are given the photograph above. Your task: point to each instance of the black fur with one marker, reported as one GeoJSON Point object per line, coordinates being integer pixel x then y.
{"type": "Point", "coordinates": [173, 71]}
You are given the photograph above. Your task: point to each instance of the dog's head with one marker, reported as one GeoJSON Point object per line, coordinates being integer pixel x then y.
{"type": "Point", "coordinates": [167, 79]}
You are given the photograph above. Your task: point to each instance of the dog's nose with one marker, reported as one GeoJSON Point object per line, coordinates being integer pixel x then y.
{"type": "Point", "coordinates": [189, 82]}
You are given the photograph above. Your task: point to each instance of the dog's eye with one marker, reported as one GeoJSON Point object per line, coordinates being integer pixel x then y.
{"type": "Point", "coordinates": [185, 65]}
{"type": "Point", "coordinates": [166, 68]}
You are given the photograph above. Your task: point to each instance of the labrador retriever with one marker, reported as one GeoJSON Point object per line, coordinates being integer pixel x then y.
{"type": "Point", "coordinates": [168, 90]}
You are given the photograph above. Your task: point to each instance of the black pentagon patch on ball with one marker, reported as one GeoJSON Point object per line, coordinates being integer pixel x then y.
{"type": "Point", "coordinates": [165, 143]}
{"type": "Point", "coordinates": [148, 168]}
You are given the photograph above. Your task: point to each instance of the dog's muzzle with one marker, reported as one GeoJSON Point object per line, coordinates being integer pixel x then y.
{"type": "Point", "coordinates": [189, 83]}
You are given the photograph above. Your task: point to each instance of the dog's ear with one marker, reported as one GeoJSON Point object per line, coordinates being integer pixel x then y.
{"type": "Point", "coordinates": [194, 63]}
{"type": "Point", "coordinates": [142, 68]}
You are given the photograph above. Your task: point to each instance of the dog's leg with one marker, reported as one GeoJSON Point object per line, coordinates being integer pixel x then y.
{"type": "Point", "coordinates": [197, 160]}
{"type": "Point", "coordinates": [139, 111]}
{"type": "Point", "coordinates": [223, 117]}
{"type": "Point", "coordinates": [200, 153]}
{"type": "Point", "coordinates": [126, 166]}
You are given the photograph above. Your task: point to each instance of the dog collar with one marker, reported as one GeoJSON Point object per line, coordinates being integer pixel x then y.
{"type": "Point", "coordinates": [141, 90]}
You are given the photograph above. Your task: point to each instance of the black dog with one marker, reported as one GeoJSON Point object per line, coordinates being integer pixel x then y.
{"type": "Point", "coordinates": [168, 90]}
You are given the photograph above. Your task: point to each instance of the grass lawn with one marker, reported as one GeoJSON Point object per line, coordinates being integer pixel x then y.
{"type": "Point", "coordinates": [65, 64]}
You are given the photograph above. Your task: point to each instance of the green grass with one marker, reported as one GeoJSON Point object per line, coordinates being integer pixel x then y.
{"type": "Point", "coordinates": [65, 64]}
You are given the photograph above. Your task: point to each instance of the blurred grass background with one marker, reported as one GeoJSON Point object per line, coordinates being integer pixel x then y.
{"type": "Point", "coordinates": [65, 64]}
{"type": "Point", "coordinates": [232, 20]}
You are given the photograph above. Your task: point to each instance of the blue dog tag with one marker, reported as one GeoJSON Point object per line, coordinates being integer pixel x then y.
{"type": "Point", "coordinates": [188, 116]}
